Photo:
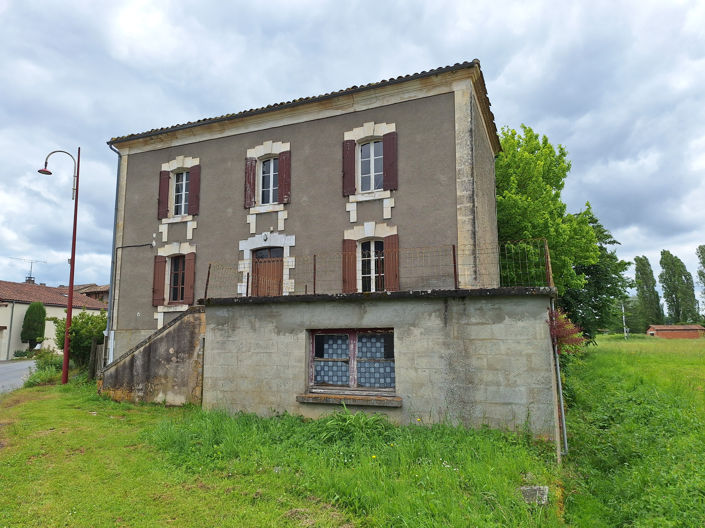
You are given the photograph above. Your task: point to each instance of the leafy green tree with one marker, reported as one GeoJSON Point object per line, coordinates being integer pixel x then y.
{"type": "Point", "coordinates": [33, 324]}
{"type": "Point", "coordinates": [648, 300]}
{"type": "Point", "coordinates": [598, 303]}
{"type": "Point", "coordinates": [85, 326]}
{"type": "Point", "coordinates": [530, 175]}
{"type": "Point", "coordinates": [678, 289]}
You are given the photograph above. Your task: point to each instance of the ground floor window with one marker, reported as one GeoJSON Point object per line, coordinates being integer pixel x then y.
{"type": "Point", "coordinates": [353, 359]}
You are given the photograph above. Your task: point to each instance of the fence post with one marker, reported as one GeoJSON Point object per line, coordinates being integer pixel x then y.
{"type": "Point", "coordinates": [549, 271]}
{"type": "Point", "coordinates": [314, 274]}
{"type": "Point", "coordinates": [208, 279]}
{"type": "Point", "coordinates": [455, 268]}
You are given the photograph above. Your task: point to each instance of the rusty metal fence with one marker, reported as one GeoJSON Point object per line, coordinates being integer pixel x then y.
{"type": "Point", "coordinates": [516, 263]}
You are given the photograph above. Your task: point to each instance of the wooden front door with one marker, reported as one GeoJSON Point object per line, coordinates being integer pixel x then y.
{"type": "Point", "coordinates": [267, 271]}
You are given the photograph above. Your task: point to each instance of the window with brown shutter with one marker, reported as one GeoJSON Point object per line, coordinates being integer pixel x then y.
{"type": "Point", "coordinates": [194, 195]}
{"type": "Point", "coordinates": [158, 281]}
{"type": "Point", "coordinates": [189, 277]}
{"type": "Point", "coordinates": [349, 177]}
{"type": "Point", "coordinates": [349, 261]}
{"type": "Point", "coordinates": [285, 177]}
{"type": "Point", "coordinates": [391, 181]}
{"type": "Point", "coordinates": [163, 200]}
{"type": "Point", "coordinates": [250, 182]}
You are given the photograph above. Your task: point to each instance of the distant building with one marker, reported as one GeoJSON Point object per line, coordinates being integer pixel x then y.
{"type": "Point", "coordinates": [676, 331]}
{"type": "Point", "coordinates": [15, 297]}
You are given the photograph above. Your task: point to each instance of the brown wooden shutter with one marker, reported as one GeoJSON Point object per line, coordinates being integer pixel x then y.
{"type": "Point", "coordinates": [348, 167]}
{"type": "Point", "coordinates": [285, 177]}
{"type": "Point", "coordinates": [158, 284]}
{"type": "Point", "coordinates": [189, 277]}
{"type": "Point", "coordinates": [391, 263]}
{"type": "Point", "coordinates": [163, 201]}
{"type": "Point", "coordinates": [250, 182]}
{"type": "Point", "coordinates": [389, 148]}
{"type": "Point", "coordinates": [194, 189]}
{"type": "Point", "coordinates": [349, 266]}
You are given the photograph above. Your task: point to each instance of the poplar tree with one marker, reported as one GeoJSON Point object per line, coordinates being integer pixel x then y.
{"type": "Point", "coordinates": [678, 289]}
{"type": "Point", "coordinates": [648, 300]}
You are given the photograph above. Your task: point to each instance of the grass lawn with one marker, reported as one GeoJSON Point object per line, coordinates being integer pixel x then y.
{"type": "Point", "coordinates": [71, 458]}
{"type": "Point", "coordinates": [637, 431]}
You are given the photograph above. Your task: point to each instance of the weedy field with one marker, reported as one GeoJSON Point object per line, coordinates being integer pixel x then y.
{"type": "Point", "coordinates": [71, 458]}
{"type": "Point", "coordinates": [637, 458]}
{"type": "Point", "coordinates": [637, 431]}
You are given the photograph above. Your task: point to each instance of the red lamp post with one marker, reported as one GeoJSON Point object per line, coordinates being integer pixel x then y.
{"type": "Point", "coordinates": [72, 262]}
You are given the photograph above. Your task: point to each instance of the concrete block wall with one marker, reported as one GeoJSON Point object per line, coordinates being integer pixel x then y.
{"type": "Point", "coordinates": [477, 357]}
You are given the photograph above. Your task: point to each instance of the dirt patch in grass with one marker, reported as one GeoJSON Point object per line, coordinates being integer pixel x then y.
{"type": "Point", "coordinates": [19, 397]}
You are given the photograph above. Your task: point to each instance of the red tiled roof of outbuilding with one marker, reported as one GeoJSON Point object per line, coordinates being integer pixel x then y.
{"type": "Point", "coordinates": [26, 293]}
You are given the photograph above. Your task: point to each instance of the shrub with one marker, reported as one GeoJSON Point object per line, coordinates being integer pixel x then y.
{"type": "Point", "coordinates": [85, 327]}
{"type": "Point", "coordinates": [48, 359]}
{"type": "Point", "coordinates": [567, 335]}
{"type": "Point", "coordinates": [21, 353]}
{"type": "Point", "coordinates": [33, 324]}
{"type": "Point", "coordinates": [44, 376]}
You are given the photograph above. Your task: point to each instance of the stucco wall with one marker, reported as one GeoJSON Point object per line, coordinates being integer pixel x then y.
{"type": "Point", "coordinates": [316, 215]}
{"type": "Point", "coordinates": [476, 358]}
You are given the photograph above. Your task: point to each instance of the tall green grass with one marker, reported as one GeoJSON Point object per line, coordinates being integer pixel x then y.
{"type": "Point", "coordinates": [637, 430]}
{"type": "Point", "coordinates": [391, 476]}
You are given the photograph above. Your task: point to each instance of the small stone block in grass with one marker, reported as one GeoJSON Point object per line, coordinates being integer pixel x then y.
{"type": "Point", "coordinates": [535, 494]}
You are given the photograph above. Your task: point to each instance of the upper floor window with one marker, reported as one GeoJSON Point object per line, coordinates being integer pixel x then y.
{"type": "Point", "coordinates": [371, 166]}
{"type": "Point", "coordinates": [179, 188]}
{"type": "Point", "coordinates": [181, 192]}
{"type": "Point", "coordinates": [269, 181]}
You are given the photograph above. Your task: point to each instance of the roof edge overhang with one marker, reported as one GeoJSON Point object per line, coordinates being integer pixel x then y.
{"type": "Point", "coordinates": [231, 124]}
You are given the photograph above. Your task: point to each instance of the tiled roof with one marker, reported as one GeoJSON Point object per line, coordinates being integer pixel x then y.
{"type": "Point", "coordinates": [677, 327]}
{"type": "Point", "coordinates": [475, 63]}
{"type": "Point", "coordinates": [26, 293]}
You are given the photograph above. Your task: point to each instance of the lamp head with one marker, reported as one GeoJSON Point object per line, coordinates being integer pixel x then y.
{"type": "Point", "coordinates": [44, 170]}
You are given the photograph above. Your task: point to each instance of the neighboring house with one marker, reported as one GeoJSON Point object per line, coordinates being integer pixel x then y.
{"type": "Point", "coordinates": [676, 331]}
{"type": "Point", "coordinates": [347, 247]}
{"type": "Point", "coordinates": [15, 298]}
{"type": "Point", "coordinates": [94, 291]}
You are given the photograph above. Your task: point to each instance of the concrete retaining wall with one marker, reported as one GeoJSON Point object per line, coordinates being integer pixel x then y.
{"type": "Point", "coordinates": [476, 357]}
{"type": "Point", "coordinates": [166, 367]}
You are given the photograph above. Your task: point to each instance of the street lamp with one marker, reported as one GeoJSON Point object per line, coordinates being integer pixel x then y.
{"type": "Point", "coordinates": [72, 262]}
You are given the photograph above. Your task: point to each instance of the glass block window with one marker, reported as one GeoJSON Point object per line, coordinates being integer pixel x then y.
{"type": "Point", "coordinates": [353, 359]}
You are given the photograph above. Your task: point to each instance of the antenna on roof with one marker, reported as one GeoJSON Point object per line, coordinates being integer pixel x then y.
{"type": "Point", "coordinates": [29, 279]}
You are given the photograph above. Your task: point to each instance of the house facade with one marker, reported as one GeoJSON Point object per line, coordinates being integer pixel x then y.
{"type": "Point", "coordinates": [15, 298]}
{"type": "Point", "coordinates": [345, 246]}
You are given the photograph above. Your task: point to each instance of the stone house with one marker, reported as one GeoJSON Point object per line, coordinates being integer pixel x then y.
{"type": "Point", "coordinates": [344, 249]}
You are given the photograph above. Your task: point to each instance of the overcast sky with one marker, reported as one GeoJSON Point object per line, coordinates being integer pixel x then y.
{"type": "Point", "coordinates": [620, 84]}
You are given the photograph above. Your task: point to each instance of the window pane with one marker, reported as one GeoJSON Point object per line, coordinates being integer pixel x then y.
{"type": "Point", "coordinates": [366, 284]}
{"type": "Point", "coordinates": [378, 165]}
{"type": "Point", "coordinates": [365, 167]}
{"type": "Point", "coordinates": [276, 252]}
{"type": "Point", "coordinates": [331, 346]}
{"type": "Point", "coordinates": [186, 186]}
{"type": "Point", "coordinates": [365, 183]}
{"type": "Point", "coordinates": [365, 151]}
{"type": "Point", "coordinates": [378, 374]}
{"type": "Point", "coordinates": [275, 195]}
{"type": "Point", "coordinates": [265, 181]}
{"type": "Point", "coordinates": [379, 180]}
{"type": "Point", "coordinates": [331, 373]}
{"type": "Point", "coordinates": [276, 164]}
{"type": "Point", "coordinates": [177, 188]}
{"type": "Point", "coordinates": [265, 166]}
{"type": "Point", "coordinates": [378, 148]}
{"type": "Point", "coordinates": [265, 196]}
{"type": "Point", "coordinates": [375, 360]}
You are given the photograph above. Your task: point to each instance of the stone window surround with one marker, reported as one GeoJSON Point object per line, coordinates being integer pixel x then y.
{"type": "Point", "coordinates": [268, 149]}
{"type": "Point", "coordinates": [178, 164]}
{"type": "Point", "coordinates": [367, 132]}
{"type": "Point", "coordinates": [169, 250]}
{"type": "Point", "coordinates": [363, 233]}
{"type": "Point", "coordinates": [266, 239]}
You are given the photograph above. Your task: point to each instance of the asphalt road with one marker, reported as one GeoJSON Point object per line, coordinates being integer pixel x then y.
{"type": "Point", "coordinates": [13, 374]}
